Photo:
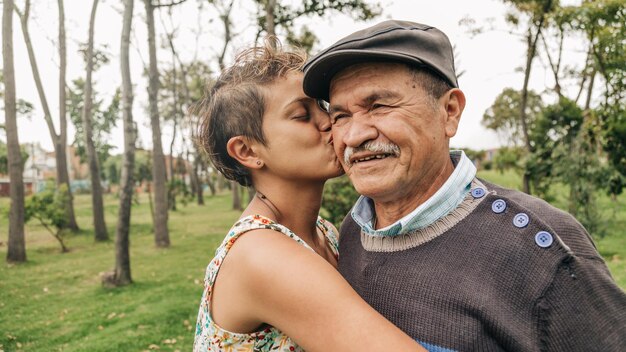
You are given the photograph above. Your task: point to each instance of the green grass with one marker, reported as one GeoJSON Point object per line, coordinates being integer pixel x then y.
{"type": "Point", "coordinates": [55, 302]}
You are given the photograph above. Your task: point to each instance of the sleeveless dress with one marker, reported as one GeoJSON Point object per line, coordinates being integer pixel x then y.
{"type": "Point", "coordinates": [210, 336]}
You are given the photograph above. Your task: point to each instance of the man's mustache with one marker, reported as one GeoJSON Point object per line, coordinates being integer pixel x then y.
{"type": "Point", "coordinates": [370, 146]}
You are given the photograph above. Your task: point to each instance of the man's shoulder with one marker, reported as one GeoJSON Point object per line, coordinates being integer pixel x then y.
{"type": "Point", "coordinates": [564, 225]}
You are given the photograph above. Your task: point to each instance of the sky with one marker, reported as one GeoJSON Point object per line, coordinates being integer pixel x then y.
{"type": "Point", "coordinates": [490, 61]}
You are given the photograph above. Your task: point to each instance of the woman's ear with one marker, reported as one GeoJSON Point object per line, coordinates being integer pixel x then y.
{"type": "Point", "coordinates": [243, 150]}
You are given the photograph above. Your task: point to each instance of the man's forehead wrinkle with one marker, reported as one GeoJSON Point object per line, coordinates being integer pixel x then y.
{"type": "Point", "coordinates": [368, 100]}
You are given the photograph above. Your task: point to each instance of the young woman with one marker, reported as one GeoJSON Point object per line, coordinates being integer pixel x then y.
{"type": "Point", "coordinates": [273, 284]}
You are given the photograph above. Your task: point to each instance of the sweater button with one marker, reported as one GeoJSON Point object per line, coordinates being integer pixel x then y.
{"type": "Point", "coordinates": [498, 206]}
{"type": "Point", "coordinates": [521, 220]}
{"type": "Point", "coordinates": [478, 192]}
{"type": "Point", "coordinates": [543, 239]}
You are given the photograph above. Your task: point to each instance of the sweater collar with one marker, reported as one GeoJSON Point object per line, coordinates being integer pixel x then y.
{"type": "Point", "coordinates": [445, 200]}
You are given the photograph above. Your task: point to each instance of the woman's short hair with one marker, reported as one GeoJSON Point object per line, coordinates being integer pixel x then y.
{"type": "Point", "coordinates": [235, 104]}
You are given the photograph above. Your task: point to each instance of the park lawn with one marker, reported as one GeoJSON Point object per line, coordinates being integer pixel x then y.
{"type": "Point", "coordinates": [55, 301]}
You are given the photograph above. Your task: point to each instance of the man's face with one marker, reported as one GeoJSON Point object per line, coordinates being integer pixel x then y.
{"type": "Point", "coordinates": [390, 136]}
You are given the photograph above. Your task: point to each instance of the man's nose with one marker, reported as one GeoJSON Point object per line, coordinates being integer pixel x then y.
{"type": "Point", "coordinates": [360, 130]}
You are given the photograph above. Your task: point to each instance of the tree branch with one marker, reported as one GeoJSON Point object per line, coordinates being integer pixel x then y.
{"type": "Point", "coordinates": [173, 3]}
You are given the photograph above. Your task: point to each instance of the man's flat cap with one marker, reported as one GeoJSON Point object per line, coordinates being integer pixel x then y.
{"type": "Point", "coordinates": [412, 43]}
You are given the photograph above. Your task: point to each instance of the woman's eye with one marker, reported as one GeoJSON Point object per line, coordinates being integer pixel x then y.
{"type": "Point", "coordinates": [303, 116]}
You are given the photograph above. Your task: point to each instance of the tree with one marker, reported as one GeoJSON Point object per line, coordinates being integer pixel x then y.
{"type": "Point", "coordinates": [503, 116]}
{"type": "Point", "coordinates": [16, 251]}
{"type": "Point", "coordinates": [58, 140]}
{"type": "Point", "coordinates": [273, 14]}
{"type": "Point", "coordinates": [47, 208]}
{"type": "Point", "coordinates": [603, 23]}
{"type": "Point", "coordinates": [535, 12]}
{"type": "Point", "coordinates": [103, 119]}
{"type": "Point", "coordinates": [121, 274]}
{"type": "Point", "coordinates": [99, 223]}
{"type": "Point", "coordinates": [161, 232]}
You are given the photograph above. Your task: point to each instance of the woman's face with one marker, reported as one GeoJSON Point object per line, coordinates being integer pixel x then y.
{"type": "Point", "coordinates": [299, 142]}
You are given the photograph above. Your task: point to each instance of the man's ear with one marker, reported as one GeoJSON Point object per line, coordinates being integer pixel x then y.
{"type": "Point", "coordinates": [454, 102]}
{"type": "Point", "coordinates": [243, 150]}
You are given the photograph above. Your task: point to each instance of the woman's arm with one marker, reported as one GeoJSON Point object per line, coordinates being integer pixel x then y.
{"type": "Point", "coordinates": [282, 283]}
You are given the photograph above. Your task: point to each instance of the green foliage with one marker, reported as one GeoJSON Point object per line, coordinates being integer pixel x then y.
{"type": "Point", "coordinates": [196, 73]}
{"type": "Point", "coordinates": [551, 138]}
{"type": "Point", "coordinates": [476, 156]}
{"type": "Point", "coordinates": [306, 39]}
{"type": "Point", "coordinates": [288, 12]}
{"type": "Point", "coordinates": [508, 158]}
{"type": "Point", "coordinates": [143, 166]}
{"type": "Point", "coordinates": [614, 133]}
{"type": "Point", "coordinates": [48, 208]}
{"type": "Point", "coordinates": [566, 147]}
{"type": "Point", "coordinates": [503, 116]}
{"type": "Point", "coordinates": [339, 197]}
{"type": "Point", "coordinates": [4, 157]}
{"type": "Point", "coordinates": [101, 56]}
{"type": "Point", "coordinates": [533, 9]}
{"type": "Point", "coordinates": [104, 119]}
{"type": "Point", "coordinates": [178, 189]}
{"type": "Point", "coordinates": [22, 107]}
{"type": "Point", "coordinates": [604, 24]}
{"type": "Point", "coordinates": [112, 169]}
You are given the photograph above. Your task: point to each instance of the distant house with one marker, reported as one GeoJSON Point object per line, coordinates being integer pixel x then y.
{"type": "Point", "coordinates": [491, 153]}
{"type": "Point", "coordinates": [40, 167]}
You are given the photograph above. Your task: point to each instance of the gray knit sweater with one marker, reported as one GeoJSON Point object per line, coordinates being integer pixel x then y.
{"type": "Point", "coordinates": [473, 281]}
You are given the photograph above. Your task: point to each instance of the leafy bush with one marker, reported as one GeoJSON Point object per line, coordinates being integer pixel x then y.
{"type": "Point", "coordinates": [48, 208]}
{"type": "Point", "coordinates": [339, 197]}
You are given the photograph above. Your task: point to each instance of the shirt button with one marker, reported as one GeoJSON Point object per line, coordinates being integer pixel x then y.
{"type": "Point", "coordinates": [478, 192]}
{"type": "Point", "coordinates": [521, 220]}
{"type": "Point", "coordinates": [498, 206]}
{"type": "Point", "coordinates": [543, 239]}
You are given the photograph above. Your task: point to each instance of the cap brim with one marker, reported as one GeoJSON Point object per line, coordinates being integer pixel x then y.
{"type": "Point", "coordinates": [319, 73]}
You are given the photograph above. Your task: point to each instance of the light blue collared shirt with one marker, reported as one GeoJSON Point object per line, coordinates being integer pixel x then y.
{"type": "Point", "coordinates": [440, 204]}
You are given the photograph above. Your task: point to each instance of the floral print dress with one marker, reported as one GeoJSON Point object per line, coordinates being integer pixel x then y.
{"type": "Point", "coordinates": [210, 336]}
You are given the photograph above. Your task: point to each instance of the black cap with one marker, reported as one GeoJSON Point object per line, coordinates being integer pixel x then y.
{"type": "Point", "coordinates": [396, 41]}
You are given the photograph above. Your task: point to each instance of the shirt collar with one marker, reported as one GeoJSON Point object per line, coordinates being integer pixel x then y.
{"type": "Point", "coordinates": [440, 204]}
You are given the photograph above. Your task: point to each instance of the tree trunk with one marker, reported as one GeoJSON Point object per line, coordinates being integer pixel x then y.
{"type": "Point", "coordinates": [63, 177]}
{"type": "Point", "coordinates": [122, 253]}
{"type": "Point", "coordinates": [532, 40]}
{"type": "Point", "coordinates": [171, 188]}
{"type": "Point", "coordinates": [196, 185]}
{"type": "Point", "coordinates": [94, 169]}
{"type": "Point", "coordinates": [16, 251]}
{"type": "Point", "coordinates": [236, 196]}
{"type": "Point", "coordinates": [161, 233]}
{"type": "Point", "coordinates": [251, 193]}
{"type": "Point", "coordinates": [58, 141]}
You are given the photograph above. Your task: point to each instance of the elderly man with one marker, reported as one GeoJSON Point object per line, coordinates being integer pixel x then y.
{"type": "Point", "coordinates": [454, 261]}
